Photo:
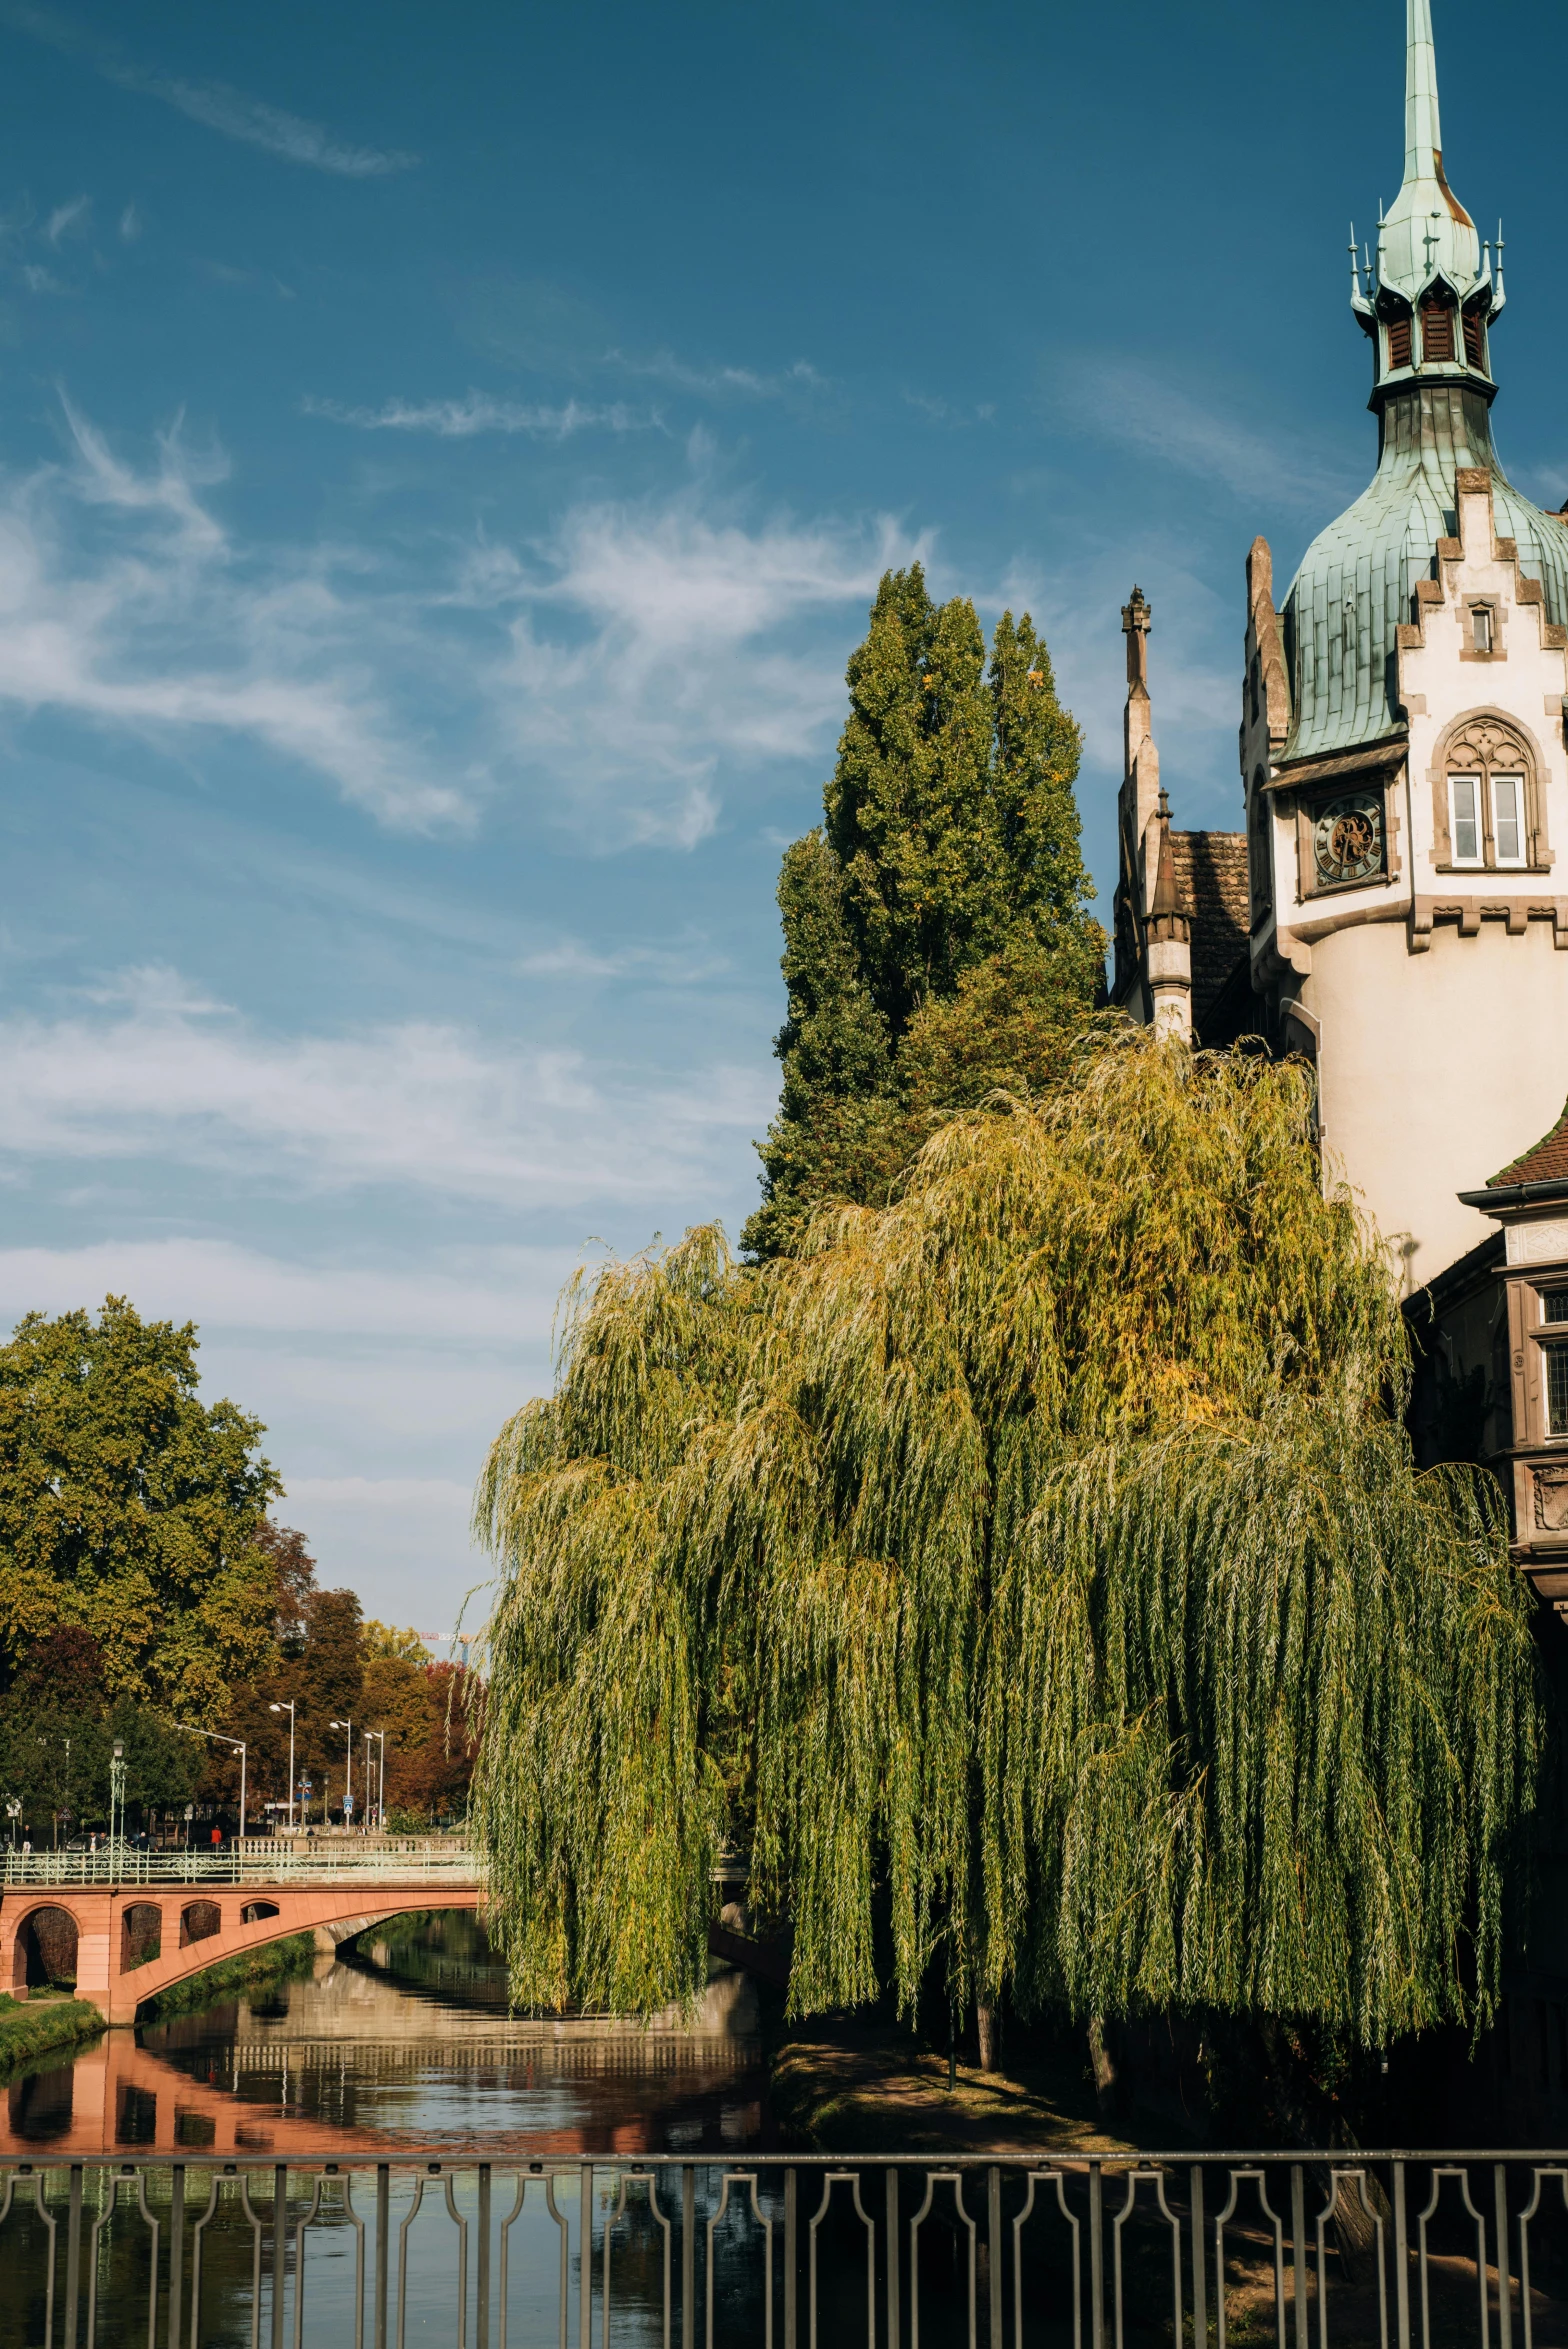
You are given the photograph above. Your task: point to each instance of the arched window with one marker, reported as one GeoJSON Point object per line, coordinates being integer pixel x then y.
{"type": "Point", "coordinates": [1488, 811]}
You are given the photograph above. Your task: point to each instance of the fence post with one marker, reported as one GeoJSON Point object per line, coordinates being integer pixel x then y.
{"type": "Point", "coordinates": [585, 2261]}
{"type": "Point", "coordinates": [1200, 2270]}
{"type": "Point", "coordinates": [791, 2256]}
{"type": "Point", "coordinates": [383, 2230]}
{"type": "Point", "coordinates": [482, 2301]}
{"type": "Point", "coordinates": [177, 2252]}
{"type": "Point", "coordinates": [1505, 2290]}
{"type": "Point", "coordinates": [73, 2257]}
{"type": "Point", "coordinates": [993, 2207]}
{"type": "Point", "coordinates": [689, 2257]}
{"type": "Point", "coordinates": [1096, 2258]}
{"type": "Point", "coordinates": [1401, 2262]}
{"type": "Point", "coordinates": [895, 2324]}
{"type": "Point", "coordinates": [280, 2236]}
{"type": "Point", "coordinates": [1298, 2223]}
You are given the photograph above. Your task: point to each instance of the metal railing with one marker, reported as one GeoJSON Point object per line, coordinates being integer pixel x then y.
{"type": "Point", "coordinates": [1155, 2251]}
{"type": "Point", "coordinates": [282, 1862]}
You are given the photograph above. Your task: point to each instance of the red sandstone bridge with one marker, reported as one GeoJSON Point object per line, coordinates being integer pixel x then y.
{"type": "Point", "coordinates": [126, 1925]}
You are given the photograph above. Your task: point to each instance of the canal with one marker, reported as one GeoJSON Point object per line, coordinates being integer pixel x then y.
{"type": "Point", "coordinates": [402, 2041]}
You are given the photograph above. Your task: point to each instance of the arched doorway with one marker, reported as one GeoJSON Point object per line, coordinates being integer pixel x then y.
{"type": "Point", "coordinates": [45, 1954]}
{"type": "Point", "coordinates": [141, 1934]}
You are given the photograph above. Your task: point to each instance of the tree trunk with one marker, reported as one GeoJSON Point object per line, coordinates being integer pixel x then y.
{"type": "Point", "coordinates": [1101, 2065]}
{"type": "Point", "coordinates": [985, 2029]}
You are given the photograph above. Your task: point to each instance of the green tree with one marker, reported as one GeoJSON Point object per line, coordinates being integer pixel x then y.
{"type": "Point", "coordinates": [1035, 1575]}
{"type": "Point", "coordinates": [58, 1726]}
{"type": "Point", "coordinates": [949, 861]}
{"type": "Point", "coordinates": [129, 1509]}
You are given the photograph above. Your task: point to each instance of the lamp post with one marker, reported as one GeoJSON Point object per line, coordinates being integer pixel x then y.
{"type": "Point", "coordinates": [380, 1736]}
{"type": "Point", "coordinates": [116, 1798]}
{"type": "Point", "coordinates": [348, 1769]}
{"type": "Point", "coordinates": [288, 1707]}
{"type": "Point", "coordinates": [217, 1735]}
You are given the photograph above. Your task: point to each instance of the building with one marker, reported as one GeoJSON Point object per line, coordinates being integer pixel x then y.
{"type": "Point", "coordinates": [1392, 908]}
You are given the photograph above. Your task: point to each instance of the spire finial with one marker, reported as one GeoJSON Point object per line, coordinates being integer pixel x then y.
{"type": "Point", "coordinates": [1423, 129]}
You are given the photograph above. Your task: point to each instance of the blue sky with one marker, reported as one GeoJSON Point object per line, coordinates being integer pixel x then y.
{"type": "Point", "coordinates": [445, 458]}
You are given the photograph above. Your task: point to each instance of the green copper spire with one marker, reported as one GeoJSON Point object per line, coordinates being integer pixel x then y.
{"type": "Point", "coordinates": [1431, 293]}
{"type": "Point", "coordinates": [1428, 310]}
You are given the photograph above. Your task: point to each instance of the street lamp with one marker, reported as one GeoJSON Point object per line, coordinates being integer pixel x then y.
{"type": "Point", "coordinates": [288, 1707]}
{"type": "Point", "coordinates": [192, 1731]}
{"type": "Point", "coordinates": [381, 1795]}
{"type": "Point", "coordinates": [348, 1769]}
{"type": "Point", "coordinates": [117, 1795]}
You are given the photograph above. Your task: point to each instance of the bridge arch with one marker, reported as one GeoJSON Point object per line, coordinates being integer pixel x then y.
{"type": "Point", "coordinates": [96, 1932]}
{"type": "Point", "coordinates": [45, 1948]}
{"type": "Point", "coordinates": [141, 1933]}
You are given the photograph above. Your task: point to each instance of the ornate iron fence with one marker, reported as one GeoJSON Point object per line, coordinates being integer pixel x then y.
{"type": "Point", "coordinates": [1218, 2251]}
{"type": "Point", "coordinates": [301, 1862]}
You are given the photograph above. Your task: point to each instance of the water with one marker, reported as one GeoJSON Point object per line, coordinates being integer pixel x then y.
{"type": "Point", "coordinates": [404, 2044]}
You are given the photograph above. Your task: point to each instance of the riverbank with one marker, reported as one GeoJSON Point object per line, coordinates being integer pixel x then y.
{"type": "Point", "coordinates": [256, 1969]}
{"type": "Point", "coordinates": [865, 2088]}
{"type": "Point", "coordinates": [40, 2026]}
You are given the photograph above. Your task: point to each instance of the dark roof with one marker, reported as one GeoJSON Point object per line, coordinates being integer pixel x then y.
{"type": "Point", "coordinates": [1546, 1163]}
{"type": "Point", "coordinates": [1211, 880]}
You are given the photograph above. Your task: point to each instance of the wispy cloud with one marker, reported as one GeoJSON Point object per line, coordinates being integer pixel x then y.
{"type": "Point", "coordinates": [216, 105]}
{"type": "Point", "coordinates": [574, 958]}
{"type": "Point", "coordinates": [715, 381]}
{"type": "Point", "coordinates": [124, 602]}
{"type": "Point", "coordinates": [652, 645]}
{"type": "Point", "coordinates": [478, 412]}
{"type": "Point", "coordinates": [130, 224]}
{"type": "Point", "coordinates": [68, 217]}
{"type": "Point", "coordinates": [1201, 435]}
{"type": "Point", "coordinates": [418, 1107]}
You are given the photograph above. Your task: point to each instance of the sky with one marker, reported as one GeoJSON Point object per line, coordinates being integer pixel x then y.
{"type": "Point", "coordinates": [446, 457]}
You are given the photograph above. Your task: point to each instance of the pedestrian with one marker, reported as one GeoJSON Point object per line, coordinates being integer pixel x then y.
{"type": "Point", "coordinates": [217, 1837]}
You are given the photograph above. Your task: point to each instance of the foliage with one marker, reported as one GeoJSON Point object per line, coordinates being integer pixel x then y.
{"type": "Point", "coordinates": [1034, 1573]}
{"type": "Point", "coordinates": [384, 1639]}
{"type": "Point", "coordinates": [58, 1726]}
{"type": "Point", "coordinates": [130, 1509]}
{"type": "Point", "coordinates": [429, 1712]}
{"type": "Point", "coordinates": [40, 2027]}
{"type": "Point", "coordinates": [947, 878]}
{"type": "Point", "coordinates": [284, 1960]}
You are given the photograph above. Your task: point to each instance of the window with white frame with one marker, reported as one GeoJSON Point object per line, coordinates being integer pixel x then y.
{"type": "Point", "coordinates": [1487, 799]}
{"type": "Point", "coordinates": [1464, 818]}
{"type": "Point", "coordinates": [1481, 627]}
{"type": "Point", "coordinates": [1508, 818]}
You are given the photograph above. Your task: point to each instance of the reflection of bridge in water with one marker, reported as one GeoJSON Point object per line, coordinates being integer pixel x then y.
{"type": "Point", "coordinates": [288, 2084]}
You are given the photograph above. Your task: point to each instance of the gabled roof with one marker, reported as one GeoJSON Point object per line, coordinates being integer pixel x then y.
{"type": "Point", "coordinates": [1210, 872]}
{"type": "Point", "coordinates": [1546, 1163]}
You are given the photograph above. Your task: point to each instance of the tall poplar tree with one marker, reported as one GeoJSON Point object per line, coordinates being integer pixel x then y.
{"type": "Point", "coordinates": [936, 942]}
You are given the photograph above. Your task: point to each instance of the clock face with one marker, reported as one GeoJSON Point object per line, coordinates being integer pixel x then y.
{"type": "Point", "coordinates": [1347, 839]}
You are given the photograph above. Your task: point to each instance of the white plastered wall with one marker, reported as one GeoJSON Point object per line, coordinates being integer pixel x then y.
{"type": "Point", "coordinates": [1439, 997]}
{"type": "Point", "coordinates": [1434, 1071]}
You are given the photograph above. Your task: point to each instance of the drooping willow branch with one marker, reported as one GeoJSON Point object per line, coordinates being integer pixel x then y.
{"type": "Point", "coordinates": [1043, 1554]}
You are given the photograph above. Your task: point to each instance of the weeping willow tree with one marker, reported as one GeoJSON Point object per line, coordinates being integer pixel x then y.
{"type": "Point", "coordinates": [1034, 1574]}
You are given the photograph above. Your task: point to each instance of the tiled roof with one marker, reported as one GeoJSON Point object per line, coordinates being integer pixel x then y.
{"type": "Point", "coordinates": [1546, 1163]}
{"type": "Point", "coordinates": [1211, 883]}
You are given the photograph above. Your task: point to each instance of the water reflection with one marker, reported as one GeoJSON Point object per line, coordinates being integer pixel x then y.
{"type": "Point", "coordinates": [404, 2042]}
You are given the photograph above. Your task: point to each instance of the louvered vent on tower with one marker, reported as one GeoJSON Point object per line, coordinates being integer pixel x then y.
{"type": "Point", "coordinates": [1399, 341]}
{"type": "Point", "coordinates": [1437, 330]}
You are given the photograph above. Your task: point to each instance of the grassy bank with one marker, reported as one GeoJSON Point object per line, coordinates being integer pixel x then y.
{"type": "Point", "coordinates": [33, 2027]}
{"type": "Point", "coordinates": [257, 1969]}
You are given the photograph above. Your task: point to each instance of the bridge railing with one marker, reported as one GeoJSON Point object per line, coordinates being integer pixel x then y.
{"type": "Point", "coordinates": [1306, 2250]}
{"type": "Point", "coordinates": [299, 1862]}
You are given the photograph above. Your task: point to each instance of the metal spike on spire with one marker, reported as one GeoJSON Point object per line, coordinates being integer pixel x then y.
{"type": "Point", "coordinates": [1423, 129]}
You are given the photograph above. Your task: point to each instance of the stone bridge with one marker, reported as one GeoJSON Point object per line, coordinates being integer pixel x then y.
{"type": "Point", "coordinates": [125, 1932]}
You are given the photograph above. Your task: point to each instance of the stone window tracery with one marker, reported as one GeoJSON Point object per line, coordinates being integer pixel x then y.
{"type": "Point", "coordinates": [1488, 807]}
